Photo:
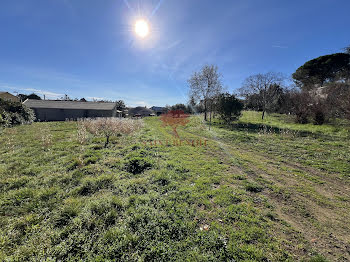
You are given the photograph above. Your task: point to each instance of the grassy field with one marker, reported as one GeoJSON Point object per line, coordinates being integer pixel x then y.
{"type": "Point", "coordinates": [256, 191]}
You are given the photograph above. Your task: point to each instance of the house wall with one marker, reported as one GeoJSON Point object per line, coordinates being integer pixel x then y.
{"type": "Point", "coordinates": [53, 114]}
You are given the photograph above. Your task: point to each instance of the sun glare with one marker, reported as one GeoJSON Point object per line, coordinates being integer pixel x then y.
{"type": "Point", "coordinates": [141, 28]}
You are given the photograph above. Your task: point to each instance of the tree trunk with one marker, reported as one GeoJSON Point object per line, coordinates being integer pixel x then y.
{"type": "Point", "coordinates": [205, 110]}
{"type": "Point", "coordinates": [264, 104]}
{"type": "Point", "coordinates": [209, 119]}
{"type": "Point", "coordinates": [107, 141]}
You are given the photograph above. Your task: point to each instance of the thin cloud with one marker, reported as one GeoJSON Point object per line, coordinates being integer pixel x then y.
{"type": "Point", "coordinates": [96, 98]}
{"type": "Point", "coordinates": [48, 94]}
{"type": "Point", "coordinates": [280, 46]}
{"type": "Point", "coordinates": [174, 44]}
{"type": "Point", "coordinates": [140, 103]}
{"type": "Point", "coordinates": [45, 93]}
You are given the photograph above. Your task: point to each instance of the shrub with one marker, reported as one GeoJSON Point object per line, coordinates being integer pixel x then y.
{"type": "Point", "coordinates": [338, 100]}
{"type": "Point", "coordinates": [107, 127]}
{"type": "Point", "coordinates": [14, 113]}
{"type": "Point", "coordinates": [253, 187]}
{"type": "Point", "coordinates": [137, 165]}
{"type": "Point", "coordinates": [300, 106]}
{"type": "Point", "coordinates": [82, 134]}
{"type": "Point", "coordinates": [4, 119]}
{"type": "Point", "coordinates": [46, 137]}
{"type": "Point", "coordinates": [319, 117]}
{"type": "Point", "coordinates": [229, 107]}
{"type": "Point", "coordinates": [302, 117]}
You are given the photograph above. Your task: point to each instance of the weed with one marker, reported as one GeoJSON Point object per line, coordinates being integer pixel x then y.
{"type": "Point", "coordinates": [253, 187]}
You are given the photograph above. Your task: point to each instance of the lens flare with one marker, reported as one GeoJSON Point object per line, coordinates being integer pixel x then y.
{"type": "Point", "coordinates": [141, 28]}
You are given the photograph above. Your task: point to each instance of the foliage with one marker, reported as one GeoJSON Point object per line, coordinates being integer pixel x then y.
{"type": "Point", "coordinates": [253, 102]}
{"type": "Point", "coordinates": [338, 100]}
{"type": "Point", "coordinates": [306, 106]}
{"type": "Point", "coordinates": [319, 112]}
{"type": "Point", "coordinates": [263, 87]}
{"type": "Point", "coordinates": [14, 113]}
{"type": "Point", "coordinates": [31, 96]}
{"type": "Point", "coordinates": [107, 127]}
{"type": "Point", "coordinates": [300, 106]}
{"type": "Point", "coordinates": [138, 162]}
{"type": "Point", "coordinates": [229, 107]}
{"type": "Point", "coordinates": [322, 70]}
{"type": "Point", "coordinates": [275, 100]}
{"type": "Point", "coordinates": [187, 109]}
{"type": "Point", "coordinates": [347, 50]}
{"type": "Point", "coordinates": [120, 105]}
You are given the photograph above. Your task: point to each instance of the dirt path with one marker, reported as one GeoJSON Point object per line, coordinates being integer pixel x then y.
{"type": "Point", "coordinates": [313, 203]}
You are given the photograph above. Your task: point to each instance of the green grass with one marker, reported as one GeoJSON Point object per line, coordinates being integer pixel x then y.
{"type": "Point", "coordinates": [259, 191]}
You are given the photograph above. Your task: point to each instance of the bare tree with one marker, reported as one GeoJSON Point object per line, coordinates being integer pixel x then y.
{"type": "Point", "coordinates": [259, 85]}
{"type": "Point", "coordinates": [204, 85]}
{"type": "Point", "coordinates": [107, 127]}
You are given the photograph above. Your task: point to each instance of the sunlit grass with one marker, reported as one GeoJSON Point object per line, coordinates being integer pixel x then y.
{"type": "Point", "coordinates": [68, 200]}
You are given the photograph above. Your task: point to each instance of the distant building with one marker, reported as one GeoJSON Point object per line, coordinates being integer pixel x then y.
{"type": "Point", "coordinates": [158, 110]}
{"type": "Point", "coordinates": [52, 110]}
{"type": "Point", "coordinates": [140, 111]}
{"type": "Point", "coordinates": [9, 97]}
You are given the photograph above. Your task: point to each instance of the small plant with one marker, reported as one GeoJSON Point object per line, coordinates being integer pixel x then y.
{"type": "Point", "coordinates": [318, 258]}
{"type": "Point", "coordinates": [289, 133]}
{"type": "Point", "coordinates": [14, 113]}
{"type": "Point", "coordinates": [107, 127]}
{"type": "Point", "coordinates": [45, 138]}
{"type": "Point", "coordinates": [82, 134]}
{"type": "Point", "coordinates": [266, 130]}
{"type": "Point", "coordinates": [10, 141]}
{"type": "Point", "coordinates": [253, 187]}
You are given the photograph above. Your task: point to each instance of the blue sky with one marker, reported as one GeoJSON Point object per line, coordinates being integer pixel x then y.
{"type": "Point", "coordinates": [87, 48]}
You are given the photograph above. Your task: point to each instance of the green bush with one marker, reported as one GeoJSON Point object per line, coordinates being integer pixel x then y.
{"type": "Point", "coordinates": [137, 165]}
{"type": "Point", "coordinates": [14, 113]}
{"type": "Point", "coordinates": [229, 107]}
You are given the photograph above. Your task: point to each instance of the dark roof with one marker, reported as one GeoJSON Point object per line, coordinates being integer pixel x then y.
{"type": "Point", "coordinates": [31, 103]}
{"type": "Point", "coordinates": [158, 108]}
{"type": "Point", "coordinates": [6, 93]}
{"type": "Point", "coordinates": [140, 111]}
{"type": "Point", "coordinates": [8, 96]}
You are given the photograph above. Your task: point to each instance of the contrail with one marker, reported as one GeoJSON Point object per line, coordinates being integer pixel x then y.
{"type": "Point", "coordinates": [156, 8]}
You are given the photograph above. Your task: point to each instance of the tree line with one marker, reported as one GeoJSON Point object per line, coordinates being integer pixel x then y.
{"type": "Point", "coordinates": [318, 92]}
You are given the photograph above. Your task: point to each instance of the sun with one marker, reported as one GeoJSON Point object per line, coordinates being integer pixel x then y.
{"type": "Point", "coordinates": [141, 28]}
